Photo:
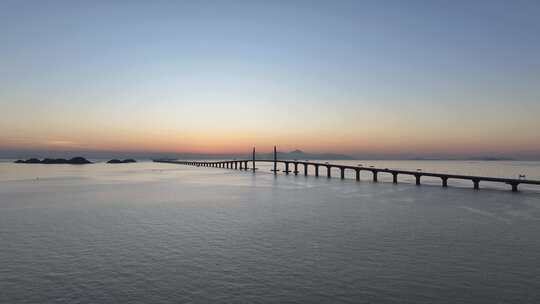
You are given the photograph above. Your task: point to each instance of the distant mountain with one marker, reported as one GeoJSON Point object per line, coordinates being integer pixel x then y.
{"type": "Point", "coordinates": [491, 158]}
{"type": "Point", "coordinates": [299, 155]}
{"type": "Point", "coordinates": [294, 154]}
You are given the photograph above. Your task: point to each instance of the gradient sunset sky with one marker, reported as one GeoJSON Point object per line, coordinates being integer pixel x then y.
{"type": "Point", "coordinates": [355, 77]}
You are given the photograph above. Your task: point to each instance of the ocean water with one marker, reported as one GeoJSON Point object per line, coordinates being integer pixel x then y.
{"type": "Point", "coordinates": [163, 233]}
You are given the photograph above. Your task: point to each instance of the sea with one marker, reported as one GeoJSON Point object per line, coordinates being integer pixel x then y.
{"type": "Point", "coordinates": [164, 233]}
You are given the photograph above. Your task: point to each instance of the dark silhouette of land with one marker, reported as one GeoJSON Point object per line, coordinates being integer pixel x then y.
{"type": "Point", "coordinates": [49, 161]}
{"type": "Point", "coordinates": [118, 161]}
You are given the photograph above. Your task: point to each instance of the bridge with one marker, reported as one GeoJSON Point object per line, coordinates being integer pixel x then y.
{"type": "Point", "coordinates": [293, 166]}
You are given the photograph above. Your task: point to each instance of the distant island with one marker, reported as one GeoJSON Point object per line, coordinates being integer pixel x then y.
{"type": "Point", "coordinates": [49, 161]}
{"type": "Point", "coordinates": [118, 161]}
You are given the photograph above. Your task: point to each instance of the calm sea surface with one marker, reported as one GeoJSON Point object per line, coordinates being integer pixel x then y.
{"type": "Point", "coordinates": [163, 233]}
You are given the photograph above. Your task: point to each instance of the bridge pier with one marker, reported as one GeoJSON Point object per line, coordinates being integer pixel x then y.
{"type": "Point", "coordinates": [394, 178]}
{"type": "Point", "coordinates": [316, 170]}
{"type": "Point", "coordinates": [328, 171]}
{"type": "Point", "coordinates": [295, 168]}
{"type": "Point", "coordinates": [245, 165]}
{"type": "Point", "coordinates": [418, 176]}
{"type": "Point", "coordinates": [514, 187]}
{"type": "Point", "coordinates": [444, 181]}
{"type": "Point", "coordinates": [342, 173]}
{"type": "Point", "coordinates": [357, 174]}
{"type": "Point", "coordinates": [235, 165]}
{"type": "Point", "coordinates": [375, 179]}
{"type": "Point", "coordinates": [305, 169]}
{"type": "Point", "coordinates": [287, 168]}
{"type": "Point", "coordinates": [476, 183]}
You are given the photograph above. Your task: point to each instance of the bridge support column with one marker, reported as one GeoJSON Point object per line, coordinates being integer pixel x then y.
{"type": "Point", "coordinates": [514, 187]}
{"type": "Point", "coordinates": [418, 179]}
{"type": "Point", "coordinates": [287, 168]}
{"type": "Point", "coordinates": [316, 170]}
{"type": "Point", "coordinates": [444, 181]}
{"type": "Point", "coordinates": [375, 179]}
{"type": "Point", "coordinates": [476, 183]}
{"type": "Point", "coordinates": [235, 165]}
{"type": "Point", "coordinates": [394, 178]}
{"type": "Point", "coordinates": [275, 161]}
{"type": "Point", "coordinates": [295, 168]}
{"type": "Point", "coordinates": [357, 174]}
{"type": "Point", "coordinates": [253, 161]}
{"type": "Point", "coordinates": [328, 171]}
{"type": "Point", "coordinates": [245, 165]}
{"type": "Point", "coordinates": [342, 173]}
{"type": "Point", "coordinates": [305, 169]}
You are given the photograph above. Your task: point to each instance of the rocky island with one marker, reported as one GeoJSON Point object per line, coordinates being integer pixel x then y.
{"type": "Point", "coordinates": [118, 161]}
{"type": "Point", "coordinates": [48, 161]}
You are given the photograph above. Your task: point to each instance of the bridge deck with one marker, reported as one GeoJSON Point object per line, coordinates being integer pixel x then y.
{"type": "Point", "coordinates": [243, 164]}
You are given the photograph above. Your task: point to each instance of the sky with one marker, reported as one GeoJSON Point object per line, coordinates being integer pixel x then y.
{"type": "Point", "coordinates": [385, 78]}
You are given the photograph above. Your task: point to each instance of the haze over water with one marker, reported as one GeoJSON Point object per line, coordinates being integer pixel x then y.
{"type": "Point", "coordinates": [162, 233]}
